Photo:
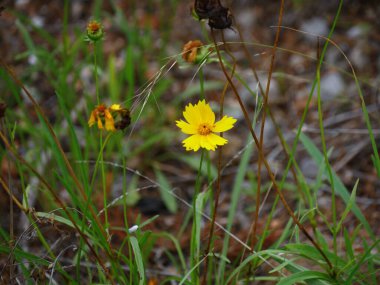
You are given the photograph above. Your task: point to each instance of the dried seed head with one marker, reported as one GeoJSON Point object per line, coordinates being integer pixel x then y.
{"type": "Point", "coordinates": [219, 17]}
{"type": "Point", "coordinates": [124, 121]}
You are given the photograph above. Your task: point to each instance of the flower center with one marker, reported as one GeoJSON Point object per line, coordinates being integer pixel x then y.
{"type": "Point", "coordinates": [93, 27]}
{"type": "Point", "coordinates": [204, 129]}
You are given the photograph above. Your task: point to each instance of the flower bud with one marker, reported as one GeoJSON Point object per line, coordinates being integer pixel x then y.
{"type": "Point", "coordinates": [94, 31]}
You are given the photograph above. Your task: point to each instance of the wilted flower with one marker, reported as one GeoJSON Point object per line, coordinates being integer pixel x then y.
{"type": "Point", "coordinates": [202, 127]}
{"type": "Point", "coordinates": [106, 115]}
{"type": "Point", "coordinates": [94, 31]}
{"type": "Point", "coordinates": [219, 17]}
{"type": "Point", "coordinates": [124, 119]}
{"type": "Point", "coordinates": [194, 51]}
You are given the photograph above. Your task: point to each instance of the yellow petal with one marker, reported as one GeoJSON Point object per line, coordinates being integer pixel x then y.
{"type": "Point", "coordinates": [208, 116]}
{"type": "Point", "coordinates": [110, 125]}
{"type": "Point", "coordinates": [100, 124]}
{"type": "Point", "coordinates": [224, 124]}
{"type": "Point", "coordinates": [216, 140]}
{"type": "Point", "coordinates": [192, 115]}
{"type": "Point", "coordinates": [207, 144]}
{"type": "Point", "coordinates": [186, 128]}
{"type": "Point", "coordinates": [192, 143]}
{"type": "Point", "coordinates": [115, 107]}
{"type": "Point", "coordinates": [107, 114]}
{"type": "Point", "coordinates": [92, 119]}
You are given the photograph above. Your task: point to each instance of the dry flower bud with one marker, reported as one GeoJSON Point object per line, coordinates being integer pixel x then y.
{"type": "Point", "coordinates": [191, 51]}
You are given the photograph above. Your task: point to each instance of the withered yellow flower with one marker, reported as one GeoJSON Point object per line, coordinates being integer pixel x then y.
{"type": "Point", "coordinates": [102, 113]}
{"type": "Point", "coordinates": [190, 50]}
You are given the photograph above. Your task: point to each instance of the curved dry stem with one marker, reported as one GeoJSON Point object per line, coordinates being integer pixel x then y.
{"type": "Point", "coordinates": [266, 164]}
{"type": "Point", "coordinates": [220, 151]}
{"type": "Point", "coordinates": [265, 104]}
{"type": "Point", "coordinates": [13, 197]}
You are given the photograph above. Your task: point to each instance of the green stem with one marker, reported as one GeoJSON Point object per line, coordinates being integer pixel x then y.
{"type": "Point", "coordinates": [104, 187]}
{"type": "Point", "coordinates": [101, 142]}
{"type": "Point", "coordinates": [194, 246]}
{"type": "Point", "coordinates": [201, 84]}
{"type": "Point", "coordinates": [96, 74]}
{"type": "Point", "coordinates": [328, 166]}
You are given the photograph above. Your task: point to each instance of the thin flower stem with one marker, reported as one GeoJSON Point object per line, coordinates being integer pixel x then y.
{"type": "Point", "coordinates": [218, 188]}
{"type": "Point", "coordinates": [272, 117]}
{"type": "Point", "coordinates": [265, 104]}
{"type": "Point", "coordinates": [202, 95]}
{"type": "Point", "coordinates": [96, 74]}
{"type": "Point", "coordinates": [104, 186]}
{"type": "Point", "coordinates": [194, 246]}
{"type": "Point", "coordinates": [261, 153]}
{"type": "Point", "coordinates": [101, 143]}
{"type": "Point", "coordinates": [328, 166]}
{"type": "Point", "coordinates": [13, 197]}
{"type": "Point", "coordinates": [274, 121]}
{"type": "Point", "coordinates": [201, 83]}
{"type": "Point", "coordinates": [98, 161]}
{"type": "Point", "coordinates": [276, 125]}
{"type": "Point", "coordinates": [11, 225]}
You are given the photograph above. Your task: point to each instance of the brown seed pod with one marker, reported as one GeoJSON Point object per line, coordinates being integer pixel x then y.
{"type": "Point", "coordinates": [125, 120]}
{"type": "Point", "coordinates": [219, 17]}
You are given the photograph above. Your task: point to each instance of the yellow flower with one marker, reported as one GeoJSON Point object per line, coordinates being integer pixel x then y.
{"type": "Point", "coordinates": [100, 113]}
{"type": "Point", "coordinates": [115, 107]}
{"type": "Point", "coordinates": [202, 127]}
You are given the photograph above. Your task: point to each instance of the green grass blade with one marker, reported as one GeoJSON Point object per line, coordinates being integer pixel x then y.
{"type": "Point", "coordinates": [138, 259]}
{"type": "Point", "coordinates": [348, 207]}
{"type": "Point", "coordinates": [339, 186]}
{"type": "Point", "coordinates": [199, 203]}
{"type": "Point", "coordinates": [22, 255]}
{"type": "Point", "coordinates": [365, 257]}
{"type": "Point", "coordinates": [165, 189]}
{"type": "Point", "coordinates": [348, 245]}
{"type": "Point", "coordinates": [305, 275]}
{"type": "Point", "coordinates": [236, 190]}
{"type": "Point", "coordinates": [311, 253]}
{"type": "Point", "coordinates": [193, 162]}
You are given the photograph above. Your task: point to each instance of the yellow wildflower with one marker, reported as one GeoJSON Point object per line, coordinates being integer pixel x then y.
{"type": "Point", "coordinates": [202, 127]}
{"type": "Point", "coordinates": [100, 113]}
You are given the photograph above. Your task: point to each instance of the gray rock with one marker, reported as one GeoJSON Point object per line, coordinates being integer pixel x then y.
{"type": "Point", "coordinates": [316, 25]}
